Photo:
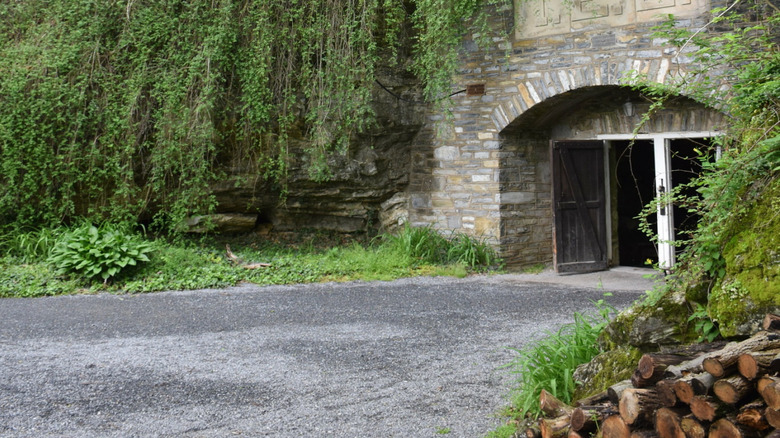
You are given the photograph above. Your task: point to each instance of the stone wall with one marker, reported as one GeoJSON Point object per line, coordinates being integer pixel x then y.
{"type": "Point", "coordinates": [484, 169]}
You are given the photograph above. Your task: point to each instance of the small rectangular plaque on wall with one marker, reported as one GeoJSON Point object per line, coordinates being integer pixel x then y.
{"type": "Point", "coordinates": [475, 90]}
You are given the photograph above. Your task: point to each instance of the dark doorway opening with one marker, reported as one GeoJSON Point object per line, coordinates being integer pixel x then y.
{"type": "Point", "coordinates": [687, 156]}
{"type": "Point", "coordinates": [635, 188]}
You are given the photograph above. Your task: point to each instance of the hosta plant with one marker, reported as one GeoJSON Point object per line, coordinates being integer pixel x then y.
{"type": "Point", "coordinates": [92, 252]}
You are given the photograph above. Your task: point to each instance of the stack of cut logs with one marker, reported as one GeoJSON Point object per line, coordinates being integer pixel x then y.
{"type": "Point", "coordinates": [714, 390]}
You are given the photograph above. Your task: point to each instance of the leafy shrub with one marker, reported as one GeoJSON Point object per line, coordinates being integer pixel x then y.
{"type": "Point", "coordinates": [423, 244]}
{"type": "Point", "coordinates": [471, 251]}
{"type": "Point", "coordinates": [91, 252]}
{"type": "Point", "coordinates": [426, 245]}
{"type": "Point", "coordinates": [29, 245]}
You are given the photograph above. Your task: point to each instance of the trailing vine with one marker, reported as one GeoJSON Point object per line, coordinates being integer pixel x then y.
{"type": "Point", "coordinates": [126, 109]}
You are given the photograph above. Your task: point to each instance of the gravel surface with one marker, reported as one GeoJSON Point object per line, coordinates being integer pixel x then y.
{"type": "Point", "coordinates": [408, 358]}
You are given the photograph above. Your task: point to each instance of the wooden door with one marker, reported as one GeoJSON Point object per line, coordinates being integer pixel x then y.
{"type": "Point", "coordinates": [579, 206]}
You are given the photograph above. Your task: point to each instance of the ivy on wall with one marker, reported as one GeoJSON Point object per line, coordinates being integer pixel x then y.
{"type": "Point", "coordinates": [129, 108]}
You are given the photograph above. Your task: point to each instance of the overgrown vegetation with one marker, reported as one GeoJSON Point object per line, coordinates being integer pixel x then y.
{"type": "Point", "coordinates": [738, 47]}
{"type": "Point", "coordinates": [549, 364]}
{"type": "Point", "coordinates": [76, 260]}
{"type": "Point", "coordinates": [127, 110]}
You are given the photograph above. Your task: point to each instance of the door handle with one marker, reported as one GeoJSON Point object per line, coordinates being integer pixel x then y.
{"type": "Point", "coordinates": [661, 192]}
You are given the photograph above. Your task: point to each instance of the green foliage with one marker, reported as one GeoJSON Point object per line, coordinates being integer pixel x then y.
{"type": "Point", "coordinates": [182, 263]}
{"type": "Point", "coordinates": [21, 280]}
{"type": "Point", "coordinates": [703, 324]}
{"type": "Point", "coordinates": [739, 46]}
{"type": "Point", "coordinates": [426, 245]}
{"type": "Point", "coordinates": [549, 363]}
{"type": "Point", "coordinates": [423, 244]}
{"type": "Point", "coordinates": [121, 110]}
{"type": "Point", "coordinates": [29, 246]}
{"type": "Point", "coordinates": [90, 252]}
{"type": "Point", "coordinates": [471, 252]}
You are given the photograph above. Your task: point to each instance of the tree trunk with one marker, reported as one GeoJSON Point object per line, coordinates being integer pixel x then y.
{"type": "Point", "coordinates": [667, 424]}
{"type": "Point", "coordinates": [695, 384]}
{"type": "Point", "coordinates": [638, 405]}
{"type": "Point", "coordinates": [732, 389]}
{"type": "Point", "coordinates": [614, 427]}
{"type": "Point", "coordinates": [721, 362]}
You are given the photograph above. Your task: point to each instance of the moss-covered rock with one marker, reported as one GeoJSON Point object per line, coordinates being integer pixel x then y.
{"type": "Point", "coordinates": [604, 370]}
{"type": "Point", "coordinates": [662, 320]}
{"type": "Point", "coordinates": [751, 286]}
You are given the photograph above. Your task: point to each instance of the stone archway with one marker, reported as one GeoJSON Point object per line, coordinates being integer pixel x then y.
{"type": "Point", "coordinates": [608, 114]}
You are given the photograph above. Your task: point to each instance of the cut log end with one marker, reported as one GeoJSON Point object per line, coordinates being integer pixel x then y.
{"type": "Point", "coordinates": [667, 424]}
{"type": "Point", "coordinates": [614, 427]}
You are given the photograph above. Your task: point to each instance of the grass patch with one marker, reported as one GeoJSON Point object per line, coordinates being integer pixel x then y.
{"type": "Point", "coordinates": [197, 263]}
{"type": "Point", "coordinates": [549, 364]}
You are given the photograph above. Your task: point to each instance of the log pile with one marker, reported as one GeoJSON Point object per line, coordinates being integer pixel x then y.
{"type": "Point", "coordinates": [722, 390]}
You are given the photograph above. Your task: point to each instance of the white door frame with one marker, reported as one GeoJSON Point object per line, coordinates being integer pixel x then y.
{"type": "Point", "coordinates": [663, 183]}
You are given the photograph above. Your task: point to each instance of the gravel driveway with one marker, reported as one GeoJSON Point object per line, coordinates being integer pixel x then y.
{"type": "Point", "coordinates": [409, 358]}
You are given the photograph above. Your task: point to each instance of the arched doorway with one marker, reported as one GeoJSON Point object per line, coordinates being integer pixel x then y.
{"type": "Point", "coordinates": [602, 172]}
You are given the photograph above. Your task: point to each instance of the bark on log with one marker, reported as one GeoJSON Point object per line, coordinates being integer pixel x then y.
{"type": "Point", "coordinates": [637, 405]}
{"type": "Point", "coordinates": [614, 427]}
{"type": "Point", "coordinates": [693, 366]}
{"type": "Point", "coordinates": [615, 391]}
{"type": "Point", "coordinates": [772, 417]}
{"type": "Point", "coordinates": [666, 395]}
{"type": "Point", "coordinates": [752, 415]}
{"type": "Point", "coordinates": [667, 424]}
{"type": "Point", "coordinates": [771, 322]}
{"type": "Point", "coordinates": [753, 364]}
{"type": "Point", "coordinates": [771, 395]}
{"type": "Point", "coordinates": [693, 427]}
{"type": "Point", "coordinates": [708, 408]}
{"type": "Point", "coordinates": [554, 427]}
{"type": "Point", "coordinates": [594, 400]}
{"type": "Point", "coordinates": [721, 362]}
{"type": "Point", "coordinates": [573, 434]}
{"type": "Point", "coordinates": [584, 419]}
{"type": "Point", "coordinates": [552, 407]}
{"type": "Point", "coordinates": [652, 364]}
{"type": "Point", "coordinates": [637, 381]}
{"type": "Point", "coordinates": [725, 428]}
{"type": "Point", "coordinates": [732, 389]}
{"type": "Point", "coordinates": [692, 385]}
